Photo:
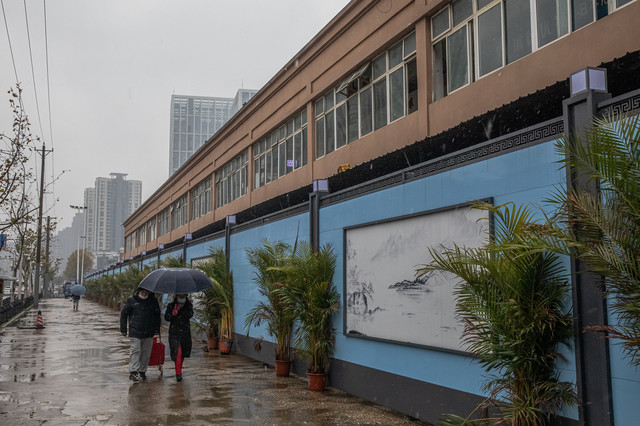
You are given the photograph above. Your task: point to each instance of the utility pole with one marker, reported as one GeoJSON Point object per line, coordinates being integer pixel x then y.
{"type": "Point", "coordinates": [47, 273]}
{"type": "Point", "coordinates": [82, 209]}
{"type": "Point", "coordinates": [36, 295]}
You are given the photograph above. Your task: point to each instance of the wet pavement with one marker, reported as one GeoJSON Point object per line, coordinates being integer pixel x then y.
{"type": "Point", "coordinates": [74, 372]}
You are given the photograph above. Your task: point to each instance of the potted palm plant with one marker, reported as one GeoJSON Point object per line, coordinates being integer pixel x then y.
{"type": "Point", "coordinates": [220, 296]}
{"type": "Point", "coordinates": [310, 289]}
{"type": "Point", "coordinates": [511, 302]}
{"type": "Point", "coordinates": [273, 309]}
{"type": "Point", "coordinates": [208, 318]}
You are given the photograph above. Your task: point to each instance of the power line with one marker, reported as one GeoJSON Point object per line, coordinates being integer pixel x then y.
{"type": "Point", "coordinates": [9, 40]}
{"type": "Point", "coordinates": [46, 44]}
{"type": "Point", "coordinates": [46, 49]}
{"type": "Point", "coordinates": [33, 75]}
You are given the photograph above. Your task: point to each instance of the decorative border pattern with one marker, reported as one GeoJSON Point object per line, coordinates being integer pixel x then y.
{"type": "Point", "coordinates": [292, 211]}
{"type": "Point", "coordinates": [531, 136]}
{"type": "Point", "coordinates": [630, 105]}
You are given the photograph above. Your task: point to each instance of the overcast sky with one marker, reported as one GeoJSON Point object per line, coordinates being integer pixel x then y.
{"type": "Point", "coordinates": [114, 64]}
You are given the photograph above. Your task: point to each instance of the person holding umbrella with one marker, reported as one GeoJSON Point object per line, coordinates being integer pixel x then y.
{"type": "Point", "coordinates": [142, 313]}
{"type": "Point", "coordinates": [76, 292]}
{"type": "Point", "coordinates": [178, 314]}
{"type": "Point", "coordinates": [76, 301]}
{"type": "Point", "coordinates": [178, 281]}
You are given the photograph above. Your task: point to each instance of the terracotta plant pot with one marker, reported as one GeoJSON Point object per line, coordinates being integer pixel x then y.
{"type": "Point", "coordinates": [212, 343]}
{"type": "Point", "coordinates": [316, 381]}
{"type": "Point", "coordinates": [283, 368]}
{"type": "Point", "coordinates": [225, 346]}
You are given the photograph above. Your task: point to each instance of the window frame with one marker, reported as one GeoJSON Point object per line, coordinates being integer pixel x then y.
{"type": "Point", "coordinates": [351, 90]}
{"type": "Point", "coordinates": [276, 142]}
{"type": "Point", "coordinates": [231, 180]}
{"type": "Point", "coordinates": [474, 43]}
{"type": "Point", "coordinates": [200, 198]}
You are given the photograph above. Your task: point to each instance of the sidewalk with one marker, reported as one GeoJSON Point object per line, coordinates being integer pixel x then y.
{"type": "Point", "coordinates": [74, 372]}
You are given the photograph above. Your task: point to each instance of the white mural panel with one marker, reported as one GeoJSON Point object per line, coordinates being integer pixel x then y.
{"type": "Point", "coordinates": [383, 298]}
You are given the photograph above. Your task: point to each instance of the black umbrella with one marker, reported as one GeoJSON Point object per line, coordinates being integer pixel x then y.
{"type": "Point", "coordinates": [176, 281]}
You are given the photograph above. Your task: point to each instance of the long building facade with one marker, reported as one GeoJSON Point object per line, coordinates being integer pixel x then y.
{"type": "Point", "coordinates": [410, 110]}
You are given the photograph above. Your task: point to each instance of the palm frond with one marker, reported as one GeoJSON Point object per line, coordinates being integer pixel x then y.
{"type": "Point", "coordinates": [510, 302]}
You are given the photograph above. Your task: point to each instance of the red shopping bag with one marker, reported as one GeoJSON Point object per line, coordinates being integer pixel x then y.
{"type": "Point", "coordinates": [157, 353]}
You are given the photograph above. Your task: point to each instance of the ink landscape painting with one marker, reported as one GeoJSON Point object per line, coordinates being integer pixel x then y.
{"type": "Point", "coordinates": [383, 298]}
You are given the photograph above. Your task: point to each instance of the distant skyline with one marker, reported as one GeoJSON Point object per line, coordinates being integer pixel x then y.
{"type": "Point", "coordinates": [113, 66]}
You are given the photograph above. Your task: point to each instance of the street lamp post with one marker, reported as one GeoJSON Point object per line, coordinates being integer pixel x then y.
{"type": "Point", "coordinates": [78, 276]}
{"type": "Point", "coordinates": [84, 250]}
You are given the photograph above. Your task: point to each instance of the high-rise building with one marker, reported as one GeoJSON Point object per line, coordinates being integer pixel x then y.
{"type": "Point", "coordinates": [242, 97]}
{"type": "Point", "coordinates": [109, 203]}
{"type": "Point", "coordinates": [68, 240]}
{"type": "Point", "coordinates": [194, 119]}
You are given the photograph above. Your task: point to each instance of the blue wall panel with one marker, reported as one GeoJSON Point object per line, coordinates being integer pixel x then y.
{"type": "Point", "coordinates": [527, 176]}
{"type": "Point", "coordinates": [199, 250]}
{"type": "Point", "coordinates": [524, 176]}
{"type": "Point", "coordinates": [246, 294]}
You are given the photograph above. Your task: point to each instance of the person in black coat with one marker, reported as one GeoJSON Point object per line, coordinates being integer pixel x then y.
{"type": "Point", "coordinates": [142, 313]}
{"type": "Point", "coordinates": [178, 314]}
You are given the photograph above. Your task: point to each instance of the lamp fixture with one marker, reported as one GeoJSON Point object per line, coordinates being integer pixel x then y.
{"type": "Point", "coordinates": [588, 78]}
{"type": "Point", "coordinates": [321, 185]}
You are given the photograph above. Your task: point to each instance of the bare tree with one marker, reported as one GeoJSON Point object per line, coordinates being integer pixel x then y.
{"type": "Point", "coordinates": [16, 176]}
{"type": "Point", "coordinates": [17, 182]}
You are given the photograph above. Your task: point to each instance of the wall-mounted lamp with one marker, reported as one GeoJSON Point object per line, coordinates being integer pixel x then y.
{"type": "Point", "coordinates": [130, 257]}
{"type": "Point", "coordinates": [343, 168]}
{"type": "Point", "coordinates": [160, 246]}
{"type": "Point", "coordinates": [321, 185]}
{"type": "Point", "coordinates": [188, 236]}
{"type": "Point", "coordinates": [143, 253]}
{"type": "Point", "coordinates": [231, 219]}
{"type": "Point", "coordinates": [588, 78]}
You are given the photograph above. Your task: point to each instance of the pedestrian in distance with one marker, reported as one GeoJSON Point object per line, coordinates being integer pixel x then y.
{"type": "Point", "coordinates": [76, 300]}
{"type": "Point", "coordinates": [142, 314]}
{"type": "Point", "coordinates": [178, 314]}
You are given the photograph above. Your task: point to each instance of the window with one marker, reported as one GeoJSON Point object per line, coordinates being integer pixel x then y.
{"type": "Point", "coordinates": [553, 20]}
{"type": "Point", "coordinates": [151, 230]}
{"type": "Point", "coordinates": [282, 151]}
{"type": "Point", "coordinates": [472, 38]}
{"type": "Point", "coordinates": [376, 94]}
{"type": "Point", "coordinates": [231, 180]}
{"type": "Point", "coordinates": [201, 199]}
{"type": "Point", "coordinates": [490, 40]}
{"type": "Point", "coordinates": [179, 212]}
{"type": "Point", "coordinates": [141, 235]}
{"type": "Point", "coordinates": [128, 242]}
{"type": "Point", "coordinates": [163, 222]}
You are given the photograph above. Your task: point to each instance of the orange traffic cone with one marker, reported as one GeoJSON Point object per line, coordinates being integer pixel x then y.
{"type": "Point", "coordinates": [39, 321]}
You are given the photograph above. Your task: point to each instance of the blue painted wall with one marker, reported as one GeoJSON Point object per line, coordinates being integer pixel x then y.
{"type": "Point", "coordinates": [527, 176]}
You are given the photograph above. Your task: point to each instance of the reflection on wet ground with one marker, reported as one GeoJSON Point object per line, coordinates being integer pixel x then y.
{"type": "Point", "coordinates": [74, 371]}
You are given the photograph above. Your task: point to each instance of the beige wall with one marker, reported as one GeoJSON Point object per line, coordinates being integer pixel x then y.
{"type": "Point", "coordinates": [360, 32]}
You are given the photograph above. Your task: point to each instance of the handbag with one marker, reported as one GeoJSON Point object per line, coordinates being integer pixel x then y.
{"type": "Point", "coordinates": [157, 353]}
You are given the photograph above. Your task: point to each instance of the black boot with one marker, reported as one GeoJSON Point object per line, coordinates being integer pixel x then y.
{"type": "Point", "coordinates": [179, 377]}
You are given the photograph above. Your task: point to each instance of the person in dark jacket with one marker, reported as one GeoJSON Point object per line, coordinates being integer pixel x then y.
{"type": "Point", "coordinates": [142, 313]}
{"type": "Point", "coordinates": [178, 314]}
{"type": "Point", "coordinates": [76, 300]}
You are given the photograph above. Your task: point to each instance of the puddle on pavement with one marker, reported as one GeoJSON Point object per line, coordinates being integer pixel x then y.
{"type": "Point", "coordinates": [81, 359]}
